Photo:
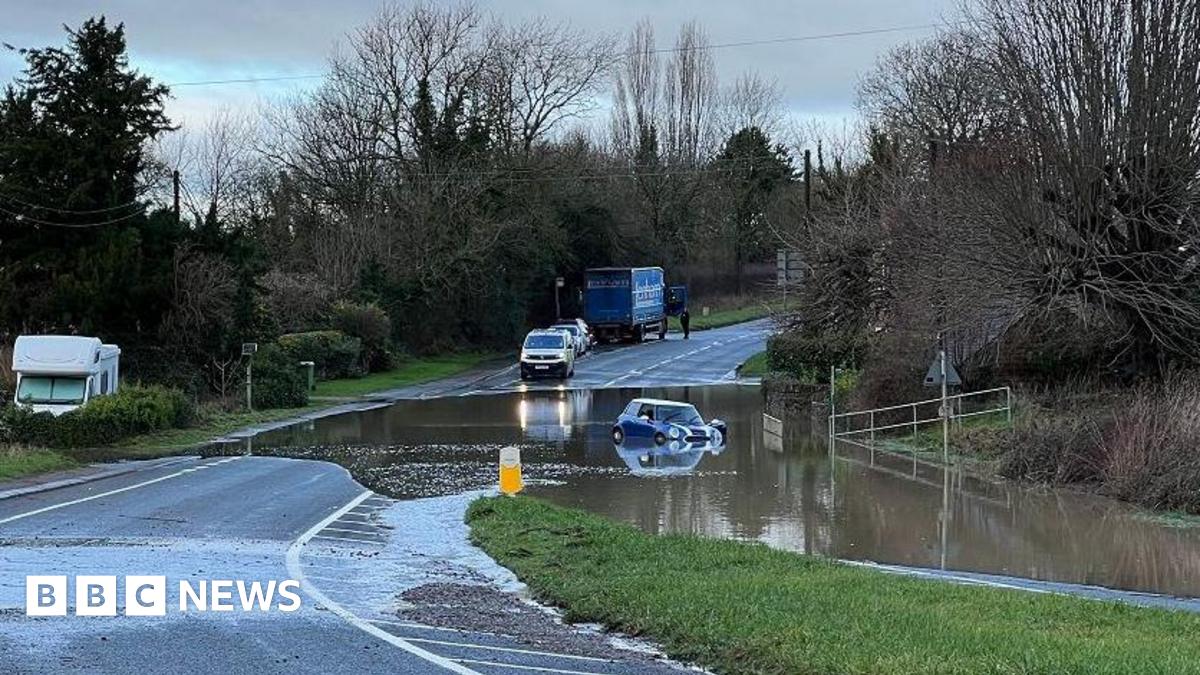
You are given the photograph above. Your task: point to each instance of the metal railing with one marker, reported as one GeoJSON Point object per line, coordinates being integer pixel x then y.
{"type": "Point", "coordinates": [949, 408]}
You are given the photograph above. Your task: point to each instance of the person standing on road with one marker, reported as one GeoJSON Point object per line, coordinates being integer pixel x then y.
{"type": "Point", "coordinates": [684, 320]}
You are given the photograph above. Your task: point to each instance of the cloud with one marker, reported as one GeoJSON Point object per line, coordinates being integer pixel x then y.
{"type": "Point", "coordinates": [224, 39]}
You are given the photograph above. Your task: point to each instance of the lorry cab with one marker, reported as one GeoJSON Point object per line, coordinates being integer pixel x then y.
{"type": "Point", "coordinates": [59, 373]}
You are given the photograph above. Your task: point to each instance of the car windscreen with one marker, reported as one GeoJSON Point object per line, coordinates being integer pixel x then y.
{"type": "Point", "coordinates": [678, 414]}
{"type": "Point", "coordinates": [544, 342]}
{"type": "Point", "coordinates": [573, 330]}
{"type": "Point", "coordinates": [38, 389]}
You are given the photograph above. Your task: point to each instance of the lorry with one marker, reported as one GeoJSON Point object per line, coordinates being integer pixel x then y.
{"type": "Point", "coordinates": [58, 373]}
{"type": "Point", "coordinates": [627, 303]}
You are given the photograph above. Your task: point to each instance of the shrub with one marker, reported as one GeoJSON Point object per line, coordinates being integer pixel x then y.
{"type": "Point", "coordinates": [102, 421]}
{"type": "Point", "coordinates": [335, 354]}
{"type": "Point", "coordinates": [278, 380]}
{"type": "Point", "coordinates": [372, 327]}
{"type": "Point", "coordinates": [808, 355]}
{"type": "Point", "coordinates": [22, 426]}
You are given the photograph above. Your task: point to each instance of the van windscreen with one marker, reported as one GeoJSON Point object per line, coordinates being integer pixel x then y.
{"type": "Point", "coordinates": [45, 389]}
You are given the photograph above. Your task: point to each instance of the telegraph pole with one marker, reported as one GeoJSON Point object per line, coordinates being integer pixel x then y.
{"type": "Point", "coordinates": [175, 182]}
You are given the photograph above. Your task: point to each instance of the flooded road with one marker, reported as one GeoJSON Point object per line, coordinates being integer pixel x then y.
{"type": "Point", "coordinates": [796, 495]}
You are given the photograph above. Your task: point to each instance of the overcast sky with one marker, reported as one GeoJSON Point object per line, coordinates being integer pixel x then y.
{"type": "Point", "coordinates": [223, 39]}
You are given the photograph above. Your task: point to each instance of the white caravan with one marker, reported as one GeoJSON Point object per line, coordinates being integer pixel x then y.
{"type": "Point", "coordinates": [57, 373]}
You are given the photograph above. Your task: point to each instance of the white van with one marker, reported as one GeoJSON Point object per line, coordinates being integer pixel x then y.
{"type": "Point", "coordinates": [57, 373]}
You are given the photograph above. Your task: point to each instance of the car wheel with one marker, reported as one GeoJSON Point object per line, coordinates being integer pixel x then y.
{"type": "Point", "coordinates": [618, 435]}
{"type": "Point", "coordinates": [660, 438]}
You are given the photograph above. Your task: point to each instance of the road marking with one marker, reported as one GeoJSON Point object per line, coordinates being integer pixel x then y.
{"type": "Point", "coordinates": [421, 626]}
{"type": "Point", "coordinates": [352, 541]}
{"type": "Point", "coordinates": [543, 669]}
{"type": "Point", "coordinates": [370, 533]}
{"type": "Point", "coordinates": [514, 650]}
{"type": "Point", "coordinates": [297, 572]}
{"type": "Point", "coordinates": [127, 488]}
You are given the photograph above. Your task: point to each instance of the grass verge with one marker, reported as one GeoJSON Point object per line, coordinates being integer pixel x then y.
{"type": "Point", "coordinates": [723, 317]}
{"type": "Point", "coordinates": [411, 372]}
{"type": "Point", "coordinates": [739, 607]}
{"type": "Point", "coordinates": [755, 366]}
{"type": "Point", "coordinates": [18, 461]}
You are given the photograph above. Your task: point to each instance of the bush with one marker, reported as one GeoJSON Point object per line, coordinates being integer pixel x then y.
{"type": "Point", "coordinates": [808, 355]}
{"type": "Point", "coordinates": [278, 379]}
{"type": "Point", "coordinates": [335, 354]}
{"type": "Point", "coordinates": [373, 328]}
{"type": "Point", "coordinates": [104, 420]}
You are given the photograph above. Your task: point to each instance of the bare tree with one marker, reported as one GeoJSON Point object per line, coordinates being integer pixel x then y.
{"type": "Point", "coordinates": [1104, 198]}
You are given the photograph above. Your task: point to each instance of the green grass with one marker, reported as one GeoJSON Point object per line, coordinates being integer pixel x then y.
{"type": "Point", "coordinates": [16, 462]}
{"type": "Point", "coordinates": [210, 426]}
{"type": "Point", "coordinates": [755, 366]}
{"type": "Point", "coordinates": [738, 607]}
{"type": "Point", "coordinates": [723, 317]}
{"type": "Point", "coordinates": [412, 372]}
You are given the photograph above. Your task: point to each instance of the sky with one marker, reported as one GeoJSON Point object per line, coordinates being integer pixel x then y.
{"type": "Point", "coordinates": [177, 41]}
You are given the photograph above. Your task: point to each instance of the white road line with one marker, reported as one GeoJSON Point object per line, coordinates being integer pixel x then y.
{"type": "Point", "coordinates": [297, 572]}
{"type": "Point", "coordinates": [127, 488]}
{"type": "Point", "coordinates": [421, 626]}
{"type": "Point", "coordinates": [542, 669]}
{"type": "Point", "coordinates": [350, 525]}
{"type": "Point", "coordinates": [513, 650]}
{"type": "Point", "coordinates": [343, 530]}
{"type": "Point", "coordinates": [352, 541]}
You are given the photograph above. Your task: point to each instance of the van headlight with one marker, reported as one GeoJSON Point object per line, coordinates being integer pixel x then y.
{"type": "Point", "coordinates": [674, 432]}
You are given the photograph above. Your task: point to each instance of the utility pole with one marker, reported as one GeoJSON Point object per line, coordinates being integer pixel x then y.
{"type": "Point", "coordinates": [175, 182]}
{"type": "Point", "coordinates": [945, 407]}
{"type": "Point", "coordinates": [559, 282]}
{"type": "Point", "coordinates": [807, 186]}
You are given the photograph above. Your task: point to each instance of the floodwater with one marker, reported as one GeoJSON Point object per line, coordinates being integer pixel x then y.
{"type": "Point", "coordinates": [792, 493]}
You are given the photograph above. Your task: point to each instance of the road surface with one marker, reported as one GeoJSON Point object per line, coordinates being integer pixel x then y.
{"type": "Point", "coordinates": [263, 518]}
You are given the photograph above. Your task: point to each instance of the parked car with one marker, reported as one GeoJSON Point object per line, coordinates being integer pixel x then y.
{"type": "Point", "coordinates": [587, 330]}
{"type": "Point", "coordinates": [547, 353]}
{"type": "Point", "coordinates": [666, 421]}
{"type": "Point", "coordinates": [578, 337]}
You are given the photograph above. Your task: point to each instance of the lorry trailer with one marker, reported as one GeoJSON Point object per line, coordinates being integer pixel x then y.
{"type": "Point", "coordinates": [628, 303]}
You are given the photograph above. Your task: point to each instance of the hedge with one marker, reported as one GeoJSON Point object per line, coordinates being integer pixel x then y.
{"type": "Point", "coordinates": [334, 354]}
{"type": "Point", "coordinates": [104, 420]}
{"type": "Point", "coordinates": [279, 382]}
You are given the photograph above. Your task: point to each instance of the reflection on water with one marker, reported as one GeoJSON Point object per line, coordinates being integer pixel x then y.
{"type": "Point", "coordinates": [677, 458]}
{"type": "Point", "coordinates": [790, 492]}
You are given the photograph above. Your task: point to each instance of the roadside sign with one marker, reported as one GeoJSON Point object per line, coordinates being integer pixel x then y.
{"type": "Point", "coordinates": [789, 268]}
{"type": "Point", "coordinates": [933, 376]}
{"type": "Point", "coordinates": [559, 282]}
{"type": "Point", "coordinates": [249, 348]}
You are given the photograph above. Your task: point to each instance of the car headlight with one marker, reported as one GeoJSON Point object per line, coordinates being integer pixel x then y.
{"type": "Point", "coordinates": [674, 432]}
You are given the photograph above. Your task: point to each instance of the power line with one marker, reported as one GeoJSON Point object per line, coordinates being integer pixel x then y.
{"type": "Point", "coordinates": [81, 212]}
{"type": "Point", "coordinates": [23, 218]}
{"type": "Point", "coordinates": [663, 50]}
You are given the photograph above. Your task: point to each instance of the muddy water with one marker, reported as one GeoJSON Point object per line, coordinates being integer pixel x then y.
{"type": "Point", "coordinates": [793, 494]}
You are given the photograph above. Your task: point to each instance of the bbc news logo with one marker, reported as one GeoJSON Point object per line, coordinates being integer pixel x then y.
{"type": "Point", "coordinates": [96, 595]}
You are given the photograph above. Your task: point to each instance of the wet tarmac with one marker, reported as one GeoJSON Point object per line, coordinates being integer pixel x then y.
{"type": "Point", "coordinates": [792, 493]}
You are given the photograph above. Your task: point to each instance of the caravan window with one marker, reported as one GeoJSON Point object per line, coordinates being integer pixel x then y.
{"type": "Point", "coordinates": [41, 389]}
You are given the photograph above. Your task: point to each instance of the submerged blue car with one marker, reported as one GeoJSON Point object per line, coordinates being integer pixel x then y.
{"type": "Point", "coordinates": [665, 421]}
